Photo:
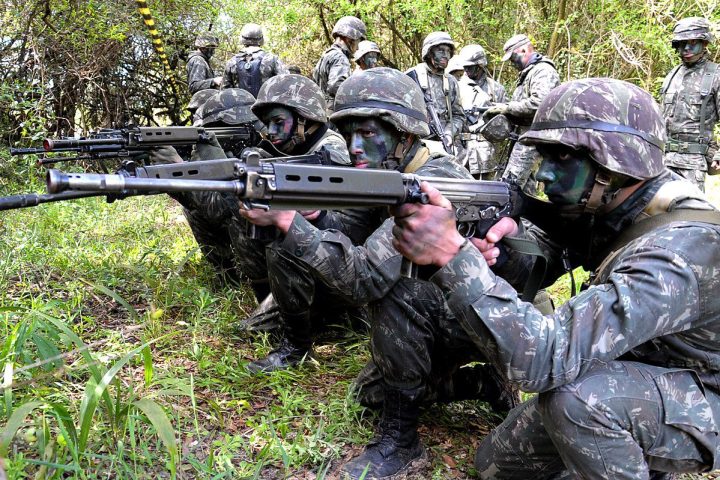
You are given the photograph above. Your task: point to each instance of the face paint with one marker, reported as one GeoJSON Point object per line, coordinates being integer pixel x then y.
{"type": "Point", "coordinates": [370, 60]}
{"type": "Point", "coordinates": [690, 51]}
{"type": "Point", "coordinates": [369, 141]}
{"type": "Point", "coordinates": [568, 174]}
{"type": "Point", "coordinates": [517, 60]}
{"type": "Point", "coordinates": [440, 56]}
{"type": "Point", "coordinates": [475, 72]}
{"type": "Point", "coordinates": [208, 52]}
{"type": "Point", "coordinates": [280, 124]}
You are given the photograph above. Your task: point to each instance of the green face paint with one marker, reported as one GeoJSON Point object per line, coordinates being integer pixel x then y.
{"type": "Point", "coordinates": [280, 124]}
{"type": "Point", "coordinates": [369, 141]}
{"type": "Point", "coordinates": [690, 51]}
{"type": "Point", "coordinates": [440, 56]}
{"type": "Point", "coordinates": [369, 60]}
{"type": "Point", "coordinates": [568, 174]}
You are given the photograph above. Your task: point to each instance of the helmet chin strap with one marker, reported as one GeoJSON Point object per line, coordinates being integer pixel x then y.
{"type": "Point", "coordinates": [595, 200]}
{"type": "Point", "coordinates": [299, 135]}
{"type": "Point", "coordinates": [395, 158]}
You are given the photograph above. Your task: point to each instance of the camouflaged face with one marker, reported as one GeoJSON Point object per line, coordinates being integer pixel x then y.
{"type": "Point", "coordinates": [199, 98]}
{"type": "Point", "coordinates": [206, 40]}
{"type": "Point", "coordinates": [473, 55]}
{"type": "Point", "coordinates": [295, 92]}
{"type": "Point", "coordinates": [437, 38]}
{"type": "Point", "coordinates": [692, 28]}
{"type": "Point", "coordinates": [351, 27]}
{"type": "Point", "coordinates": [231, 106]}
{"type": "Point", "coordinates": [385, 85]}
{"type": "Point", "coordinates": [609, 102]}
{"type": "Point", "coordinates": [365, 47]}
{"type": "Point", "coordinates": [252, 34]}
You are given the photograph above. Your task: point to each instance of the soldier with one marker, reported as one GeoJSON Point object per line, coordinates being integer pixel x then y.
{"type": "Point", "coordinates": [479, 91]}
{"type": "Point", "coordinates": [455, 68]}
{"type": "Point", "coordinates": [252, 66]}
{"type": "Point", "coordinates": [198, 100]}
{"type": "Point", "coordinates": [627, 371]}
{"type": "Point", "coordinates": [367, 55]}
{"type": "Point", "coordinates": [382, 115]}
{"type": "Point", "coordinates": [691, 101]}
{"type": "Point", "coordinates": [537, 77]}
{"type": "Point", "coordinates": [333, 68]}
{"type": "Point", "coordinates": [441, 91]}
{"type": "Point", "coordinates": [199, 73]}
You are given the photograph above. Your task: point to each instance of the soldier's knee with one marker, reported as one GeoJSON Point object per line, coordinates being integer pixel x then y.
{"type": "Point", "coordinates": [561, 408]}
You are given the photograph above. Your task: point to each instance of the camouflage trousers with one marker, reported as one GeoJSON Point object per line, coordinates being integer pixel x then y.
{"type": "Point", "coordinates": [621, 420]}
{"type": "Point", "coordinates": [694, 176]}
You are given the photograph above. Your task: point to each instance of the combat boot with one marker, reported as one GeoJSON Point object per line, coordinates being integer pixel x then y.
{"type": "Point", "coordinates": [295, 346]}
{"type": "Point", "coordinates": [397, 450]}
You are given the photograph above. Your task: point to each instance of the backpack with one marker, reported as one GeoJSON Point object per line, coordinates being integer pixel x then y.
{"type": "Point", "coordinates": [248, 72]}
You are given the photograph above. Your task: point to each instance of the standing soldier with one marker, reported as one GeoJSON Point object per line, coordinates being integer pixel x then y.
{"type": "Point", "coordinates": [441, 91]}
{"type": "Point", "coordinates": [691, 103]}
{"type": "Point", "coordinates": [366, 55]}
{"type": "Point", "coordinates": [199, 73]}
{"type": "Point", "coordinates": [252, 66]}
{"type": "Point", "coordinates": [537, 77]}
{"type": "Point", "coordinates": [333, 68]}
{"type": "Point", "coordinates": [479, 91]}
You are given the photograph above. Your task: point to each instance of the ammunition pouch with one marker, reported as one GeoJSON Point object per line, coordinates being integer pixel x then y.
{"type": "Point", "coordinates": [673, 145]}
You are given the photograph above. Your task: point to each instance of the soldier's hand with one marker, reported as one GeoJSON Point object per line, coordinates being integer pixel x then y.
{"type": "Point", "coordinates": [506, 227]}
{"type": "Point", "coordinates": [282, 219]}
{"type": "Point", "coordinates": [426, 234]}
{"type": "Point", "coordinates": [163, 154]}
{"type": "Point", "coordinates": [499, 109]}
{"type": "Point", "coordinates": [715, 164]}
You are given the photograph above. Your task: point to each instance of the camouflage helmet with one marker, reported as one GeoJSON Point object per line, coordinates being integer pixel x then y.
{"type": "Point", "coordinates": [206, 40]}
{"type": "Point", "coordinates": [454, 64]}
{"type": "Point", "coordinates": [473, 55]}
{"type": "Point", "coordinates": [365, 47]}
{"type": "Point", "coordinates": [251, 34]}
{"type": "Point", "coordinates": [230, 105]}
{"type": "Point", "coordinates": [295, 92]}
{"type": "Point", "coordinates": [350, 27]}
{"type": "Point", "coordinates": [385, 93]}
{"type": "Point", "coordinates": [618, 123]}
{"type": "Point", "coordinates": [434, 39]}
{"type": "Point", "coordinates": [199, 98]}
{"type": "Point", "coordinates": [692, 28]}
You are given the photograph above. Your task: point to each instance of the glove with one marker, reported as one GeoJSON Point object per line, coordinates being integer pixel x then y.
{"type": "Point", "coordinates": [499, 109]}
{"type": "Point", "coordinates": [164, 154]}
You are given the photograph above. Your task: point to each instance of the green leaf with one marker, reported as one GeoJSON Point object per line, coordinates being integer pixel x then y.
{"type": "Point", "coordinates": [14, 423]}
{"type": "Point", "coordinates": [148, 365]}
{"type": "Point", "coordinates": [131, 310]}
{"type": "Point", "coordinates": [162, 425]}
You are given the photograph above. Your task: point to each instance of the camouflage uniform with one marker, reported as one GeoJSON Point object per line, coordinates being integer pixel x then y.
{"type": "Point", "coordinates": [690, 97]}
{"type": "Point", "coordinates": [441, 90]}
{"type": "Point", "coordinates": [627, 371]}
{"type": "Point", "coordinates": [250, 58]}
{"type": "Point", "coordinates": [480, 155]}
{"type": "Point", "coordinates": [333, 68]}
{"type": "Point", "coordinates": [199, 73]}
{"type": "Point", "coordinates": [534, 83]}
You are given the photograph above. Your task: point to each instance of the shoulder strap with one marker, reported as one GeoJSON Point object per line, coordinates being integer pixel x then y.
{"type": "Point", "coordinates": [422, 76]}
{"type": "Point", "coordinates": [668, 80]}
{"type": "Point", "coordinates": [705, 89]}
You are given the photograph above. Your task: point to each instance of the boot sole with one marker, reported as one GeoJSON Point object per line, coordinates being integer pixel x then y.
{"type": "Point", "coordinates": [411, 471]}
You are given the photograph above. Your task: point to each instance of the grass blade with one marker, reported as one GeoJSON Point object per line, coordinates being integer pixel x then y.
{"type": "Point", "coordinates": [162, 425]}
{"type": "Point", "coordinates": [14, 422]}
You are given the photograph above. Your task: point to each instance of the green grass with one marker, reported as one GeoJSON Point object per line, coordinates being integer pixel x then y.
{"type": "Point", "coordinates": [120, 358]}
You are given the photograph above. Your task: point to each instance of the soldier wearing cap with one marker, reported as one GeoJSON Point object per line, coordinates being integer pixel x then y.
{"type": "Point", "coordinates": [627, 372]}
{"type": "Point", "coordinates": [252, 66]}
{"type": "Point", "coordinates": [537, 77]}
{"type": "Point", "coordinates": [367, 55]}
{"type": "Point", "coordinates": [199, 73]}
{"type": "Point", "coordinates": [690, 97]}
{"type": "Point", "coordinates": [478, 91]}
{"type": "Point", "coordinates": [441, 91]}
{"type": "Point", "coordinates": [333, 68]}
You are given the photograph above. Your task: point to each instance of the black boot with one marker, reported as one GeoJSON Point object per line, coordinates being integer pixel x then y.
{"type": "Point", "coordinates": [480, 382]}
{"type": "Point", "coordinates": [397, 449]}
{"type": "Point", "coordinates": [295, 346]}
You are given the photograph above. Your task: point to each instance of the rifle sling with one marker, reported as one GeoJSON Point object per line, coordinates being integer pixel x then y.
{"type": "Point", "coordinates": [537, 273]}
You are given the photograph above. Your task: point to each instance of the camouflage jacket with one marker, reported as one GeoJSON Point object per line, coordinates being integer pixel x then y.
{"type": "Point", "coordinates": [681, 100]}
{"type": "Point", "coordinates": [331, 71]}
{"type": "Point", "coordinates": [440, 101]}
{"type": "Point", "coordinates": [270, 65]}
{"type": "Point", "coordinates": [655, 301]}
{"type": "Point", "coordinates": [199, 74]}
{"type": "Point", "coordinates": [358, 274]}
{"type": "Point", "coordinates": [534, 83]}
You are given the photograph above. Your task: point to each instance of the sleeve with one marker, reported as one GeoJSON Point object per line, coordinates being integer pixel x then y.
{"type": "Point", "coordinates": [229, 74]}
{"type": "Point", "coordinates": [649, 292]}
{"type": "Point", "coordinates": [338, 72]}
{"type": "Point", "coordinates": [279, 66]}
{"type": "Point", "coordinates": [196, 78]}
{"type": "Point", "coordinates": [541, 80]}
{"type": "Point", "coordinates": [500, 93]}
{"type": "Point", "coordinates": [458, 114]}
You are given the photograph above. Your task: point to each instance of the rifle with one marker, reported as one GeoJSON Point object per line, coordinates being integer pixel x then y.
{"type": "Point", "coordinates": [435, 125]}
{"type": "Point", "coordinates": [299, 186]}
{"type": "Point", "coordinates": [474, 114]}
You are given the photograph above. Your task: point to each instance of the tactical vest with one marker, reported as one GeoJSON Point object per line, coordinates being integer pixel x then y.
{"type": "Point", "coordinates": [421, 72]}
{"type": "Point", "coordinates": [692, 144]}
{"type": "Point", "coordinates": [248, 72]}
